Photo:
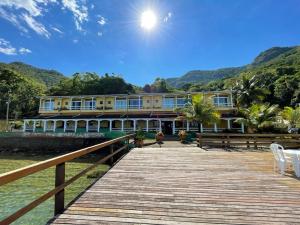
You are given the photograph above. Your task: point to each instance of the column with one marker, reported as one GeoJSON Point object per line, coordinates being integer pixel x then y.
{"type": "Point", "coordinates": [45, 125]}
{"type": "Point", "coordinates": [98, 127]}
{"type": "Point", "coordinates": [139, 101]}
{"type": "Point", "coordinates": [34, 125]}
{"type": "Point", "coordinates": [134, 125]}
{"type": "Point", "coordinates": [159, 125]}
{"type": "Point", "coordinates": [76, 124]}
{"type": "Point", "coordinates": [147, 125]}
{"type": "Point", "coordinates": [228, 124]}
{"type": "Point", "coordinates": [243, 127]}
{"type": "Point", "coordinates": [218, 102]}
{"type": "Point", "coordinates": [40, 104]}
{"type": "Point", "coordinates": [187, 125]}
{"type": "Point", "coordinates": [174, 127]}
{"type": "Point", "coordinates": [65, 125]}
{"type": "Point", "coordinates": [86, 126]}
{"type": "Point", "coordinates": [122, 125]}
{"type": "Point", "coordinates": [215, 128]}
{"type": "Point", "coordinates": [24, 126]}
{"type": "Point", "coordinates": [231, 100]}
{"type": "Point", "coordinates": [110, 125]}
{"type": "Point", "coordinates": [54, 125]}
{"type": "Point", "coordinates": [201, 127]}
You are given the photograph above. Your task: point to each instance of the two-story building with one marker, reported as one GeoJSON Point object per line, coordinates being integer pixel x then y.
{"type": "Point", "coordinates": [122, 112]}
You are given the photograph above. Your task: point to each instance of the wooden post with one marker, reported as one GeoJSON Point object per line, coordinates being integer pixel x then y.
{"type": "Point", "coordinates": [255, 143]}
{"type": "Point", "coordinates": [59, 204]}
{"type": "Point", "coordinates": [111, 150]}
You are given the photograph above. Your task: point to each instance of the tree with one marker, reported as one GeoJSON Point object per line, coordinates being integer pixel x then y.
{"type": "Point", "coordinates": [200, 110]}
{"type": "Point", "coordinates": [247, 91]}
{"type": "Point", "coordinates": [258, 117]}
{"type": "Point", "coordinates": [23, 93]}
{"type": "Point", "coordinates": [91, 84]}
{"type": "Point", "coordinates": [290, 117]}
{"type": "Point", "coordinates": [147, 88]}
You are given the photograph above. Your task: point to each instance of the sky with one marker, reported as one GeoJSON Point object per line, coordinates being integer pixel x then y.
{"type": "Point", "coordinates": [107, 36]}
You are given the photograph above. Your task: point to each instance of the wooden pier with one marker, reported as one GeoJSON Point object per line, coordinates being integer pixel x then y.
{"type": "Point", "coordinates": [188, 186]}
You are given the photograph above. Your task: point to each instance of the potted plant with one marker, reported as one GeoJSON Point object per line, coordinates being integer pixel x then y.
{"type": "Point", "coordinates": [139, 139]}
{"type": "Point", "coordinates": [182, 135]}
{"type": "Point", "coordinates": [159, 136]}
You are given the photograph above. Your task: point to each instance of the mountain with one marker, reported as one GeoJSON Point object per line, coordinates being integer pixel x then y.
{"type": "Point", "coordinates": [270, 54]}
{"type": "Point", "coordinates": [204, 76]}
{"type": "Point", "coordinates": [43, 76]}
{"type": "Point", "coordinates": [275, 55]}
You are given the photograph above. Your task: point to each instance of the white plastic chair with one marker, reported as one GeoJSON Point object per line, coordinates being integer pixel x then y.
{"type": "Point", "coordinates": [280, 159]}
{"type": "Point", "coordinates": [296, 164]}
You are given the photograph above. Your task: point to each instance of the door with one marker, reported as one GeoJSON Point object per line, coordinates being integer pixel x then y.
{"type": "Point", "coordinates": [167, 127]}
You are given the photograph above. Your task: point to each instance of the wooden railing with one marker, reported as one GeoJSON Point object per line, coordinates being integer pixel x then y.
{"type": "Point", "coordinates": [225, 140]}
{"type": "Point", "coordinates": [60, 182]}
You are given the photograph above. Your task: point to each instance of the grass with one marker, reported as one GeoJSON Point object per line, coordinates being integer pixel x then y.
{"type": "Point", "coordinates": [17, 194]}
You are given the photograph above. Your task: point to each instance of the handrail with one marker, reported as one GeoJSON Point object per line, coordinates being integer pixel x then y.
{"type": "Point", "coordinates": [60, 182]}
{"type": "Point", "coordinates": [234, 139]}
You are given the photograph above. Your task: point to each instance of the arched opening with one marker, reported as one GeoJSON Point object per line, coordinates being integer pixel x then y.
{"type": "Point", "coordinates": [93, 126]}
{"type": "Point", "coordinates": [128, 125]}
{"type": "Point", "coordinates": [117, 125]}
{"type": "Point", "coordinates": [60, 126]}
{"type": "Point", "coordinates": [141, 125]}
{"type": "Point", "coordinates": [104, 125]}
{"type": "Point", "coordinates": [70, 126]}
{"type": "Point", "coordinates": [154, 125]}
{"type": "Point", "coordinates": [81, 126]}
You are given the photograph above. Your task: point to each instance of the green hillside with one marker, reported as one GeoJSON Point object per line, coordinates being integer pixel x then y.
{"type": "Point", "coordinates": [276, 70]}
{"type": "Point", "coordinates": [43, 76]}
{"type": "Point", "coordinates": [203, 76]}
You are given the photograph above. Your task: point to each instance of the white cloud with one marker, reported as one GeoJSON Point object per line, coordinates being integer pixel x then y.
{"type": "Point", "coordinates": [36, 26]}
{"type": "Point", "coordinates": [57, 30]}
{"type": "Point", "coordinates": [167, 17]}
{"type": "Point", "coordinates": [12, 19]}
{"type": "Point", "coordinates": [23, 51]}
{"type": "Point", "coordinates": [75, 41]}
{"type": "Point", "coordinates": [101, 20]}
{"type": "Point", "coordinates": [99, 34]}
{"type": "Point", "coordinates": [80, 12]}
{"type": "Point", "coordinates": [25, 13]}
{"type": "Point", "coordinates": [6, 48]}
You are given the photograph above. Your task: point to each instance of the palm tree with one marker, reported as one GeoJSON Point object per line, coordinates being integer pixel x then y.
{"type": "Point", "coordinates": [290, 117]}
{"type": "Point", "coordinates": [247, 90]}
{"type": "Point", "coordinates": [258, 116]}
{"type": "Point", "coordinates": [201, 110]}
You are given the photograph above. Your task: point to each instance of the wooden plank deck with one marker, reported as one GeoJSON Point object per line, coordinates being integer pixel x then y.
{"type": "Point", "coordinates": [189, 186]}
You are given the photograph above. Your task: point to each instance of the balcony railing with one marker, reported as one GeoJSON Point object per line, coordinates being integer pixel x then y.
{"type": "Point", "coordinates": [47, 108]}
{"type": "Point", "coordinates": [223, 104]}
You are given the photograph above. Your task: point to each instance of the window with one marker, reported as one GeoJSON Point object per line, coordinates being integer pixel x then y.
{"type": "Point", "coordinates": [221, 101]}
{"type": "Point", "coordinates": [135, 103]}
{"type": "Point", "coordinates": [58, 103]}
{"type": "Point", "coordinates": [90, 104]}
{"type": "Point", "coordinates": [48, 105]}
{"type": "Point", "coordinates": [76, 105]}
{"type": "Point", "coordinates": [108, 102]}
{"type": "Point", "coordinates": [101, 102]}
{"type": "Point", "coordinates": [180, 102]}
{"type": "Point", "coordinates": [148, 101]}
{"type": "Point", "coordinates": [121, 104]}
{"type": "Point", "coordinates": [168, 102]}
{"type": "Point", "coordinates": [67, 103]}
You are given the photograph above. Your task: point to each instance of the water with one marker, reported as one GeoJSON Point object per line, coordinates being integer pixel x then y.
{"type": "Point", "coordinates": [17, 194]}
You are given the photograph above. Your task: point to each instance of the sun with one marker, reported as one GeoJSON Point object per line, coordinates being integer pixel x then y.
{"type": "Point", "coordinates": [148, 20]}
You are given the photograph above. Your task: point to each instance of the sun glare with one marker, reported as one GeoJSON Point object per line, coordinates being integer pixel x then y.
{"type": "Point", "coordinates": [148, 20]}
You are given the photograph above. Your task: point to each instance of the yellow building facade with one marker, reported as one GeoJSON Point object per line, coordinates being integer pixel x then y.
{"type": "Point", "coordinates": [122, 112]}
